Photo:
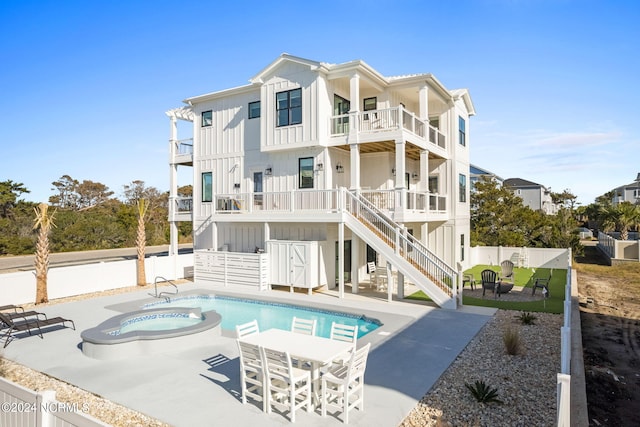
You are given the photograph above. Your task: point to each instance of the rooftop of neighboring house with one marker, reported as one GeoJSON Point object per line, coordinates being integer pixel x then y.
{"type": "Point", "coordinates": [476, 171]}
{"type": "Point", "coordinates": [522, 183]}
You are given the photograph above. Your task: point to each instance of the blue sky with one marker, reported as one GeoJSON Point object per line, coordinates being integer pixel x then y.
{"type": "Point", "coordinates": [84, 85]}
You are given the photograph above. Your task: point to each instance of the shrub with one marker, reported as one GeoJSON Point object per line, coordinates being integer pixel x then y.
{"type": "Point", "coordinates": [526, 318]}
{"type": "Point", "coordinates": [483, 393]}
{"type": "Point", "coordinates": [512, 342]}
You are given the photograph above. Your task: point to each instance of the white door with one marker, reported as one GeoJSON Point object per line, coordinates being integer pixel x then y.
{"type": "Point", "coordinates": [298, 264]}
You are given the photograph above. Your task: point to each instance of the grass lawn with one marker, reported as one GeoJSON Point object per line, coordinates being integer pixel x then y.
{"type": "Point", "coordinates": [523, 277]}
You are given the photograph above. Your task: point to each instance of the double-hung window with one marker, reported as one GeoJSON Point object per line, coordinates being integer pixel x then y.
{"type": "Point", "coordinates": [207, 118]}
{"type": "Point", "coordinates": [254, 110]}
{"type": "Point", "coordinates": [462, 131]}
{"type": "Point", "coordinates": [207, 187]}
{"type": "Point", "coordinates": [462, 188]}
{"type": "Point", "coordinates": [289, 107]}
{"type": "Point", "coordinates": [305, 172]}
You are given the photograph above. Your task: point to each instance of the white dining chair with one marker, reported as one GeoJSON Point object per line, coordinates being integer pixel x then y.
{"type": "Point", "coordinates": [304, 326]}
{"type": "Point", "coordinates": [287, 388]}
{"type": "Point", "coordinates": [248, 328]}
{"type": "Point", "coordinates": [252, 375]}
{"type": "Point", "coordinates": [343, 386]}
{"type": "Point", "coordinates": [346, 333]}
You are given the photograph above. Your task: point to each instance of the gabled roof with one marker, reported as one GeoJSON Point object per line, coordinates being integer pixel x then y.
{"type": "Point", "coordinates": [520, 183]}
{"type": "Point", "coordinates": [478, 171]}
{"type": "Point", "coordinates": [285, 57]}
{"type": "Point", "coordinates": [334, 71]}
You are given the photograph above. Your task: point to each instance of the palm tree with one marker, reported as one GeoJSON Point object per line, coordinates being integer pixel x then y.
{"type": "Point", "coordinates": [44, 223]}
{"type": "Point", "coordinates": [141, 240]}
{"type": "Point", "coordinates": [622, 216]}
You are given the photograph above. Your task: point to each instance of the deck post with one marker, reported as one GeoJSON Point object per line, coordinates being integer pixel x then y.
{"type": "Point", "coordinates": [341, 259]}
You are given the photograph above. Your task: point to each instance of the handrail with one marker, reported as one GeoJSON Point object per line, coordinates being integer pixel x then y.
{"type": "Point", "coordinates": [409, 248]}
{"type": "Point", "coordinates": [159, 295]}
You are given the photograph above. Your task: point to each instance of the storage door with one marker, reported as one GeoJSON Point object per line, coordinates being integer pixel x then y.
{"type": "Point", "coordinates": [299, 253]}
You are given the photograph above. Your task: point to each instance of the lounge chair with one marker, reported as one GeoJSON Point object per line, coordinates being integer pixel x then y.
{"type": "Point", "coordinates": [506, 272]}
{"type": "Point", "coordinates": [490, 281]}
{"type": "Point", "coordinates": [15, 308]}
{"type": "Point", "coordinates": [542, 282]}
{"type": "Point", "coordinates": [28, 324]}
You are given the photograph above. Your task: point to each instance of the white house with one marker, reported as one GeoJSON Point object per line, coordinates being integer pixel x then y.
{"type": "Point", "coordinates": [536, 196]}
{"type": "Point", "coordinates": [312, 170]}
{"type": "Point", "coordinates": [627, 193]}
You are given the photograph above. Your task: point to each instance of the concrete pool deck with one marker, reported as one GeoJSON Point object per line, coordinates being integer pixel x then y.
{"type": "Point", "coordinates": [200, 386]}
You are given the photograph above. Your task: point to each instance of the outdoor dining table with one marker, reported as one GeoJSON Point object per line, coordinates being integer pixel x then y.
{"type": "Point", "coordinates": [316, 350]}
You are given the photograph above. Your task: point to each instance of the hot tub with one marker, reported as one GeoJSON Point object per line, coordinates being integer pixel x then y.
{"type": "Point", "coordinates": [145, 332]}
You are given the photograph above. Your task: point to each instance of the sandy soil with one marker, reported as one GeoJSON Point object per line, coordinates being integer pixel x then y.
{"type": "Point", "coordinates": [610, 314]}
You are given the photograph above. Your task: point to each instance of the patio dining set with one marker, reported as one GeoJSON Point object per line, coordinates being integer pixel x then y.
{"type": "Point", "coordinates": [295, 369]}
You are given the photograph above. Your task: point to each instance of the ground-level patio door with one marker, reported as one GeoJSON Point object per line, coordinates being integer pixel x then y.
{"type": "Point", "coordinates": [347, 261]}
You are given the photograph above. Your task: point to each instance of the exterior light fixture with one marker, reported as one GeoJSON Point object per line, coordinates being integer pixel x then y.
{"type": "Point", "coordinates": [268, 171]}
{"type": "Point", "coordinates": [339, 168]}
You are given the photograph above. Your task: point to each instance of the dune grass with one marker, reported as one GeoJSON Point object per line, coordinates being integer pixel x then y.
{"type": "Point", "coordinates": [523, 277]}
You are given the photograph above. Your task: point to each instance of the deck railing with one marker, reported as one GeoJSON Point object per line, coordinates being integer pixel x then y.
{"type": "Point", "coordinates": [388, 119]}
{"type": "Point", "coordinates": [324, 200]}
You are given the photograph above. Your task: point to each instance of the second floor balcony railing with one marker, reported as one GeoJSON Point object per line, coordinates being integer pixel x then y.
{"type": "Point", "coordinates": [328, 201]}
{"type": "Point", "coordinates": [388, 119]}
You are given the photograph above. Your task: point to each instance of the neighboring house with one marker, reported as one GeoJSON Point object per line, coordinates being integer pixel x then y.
{"type": "Point", "coordinates": [313, 170]}
{"type": "Point", "coordinates": [627, 193]}
{"type": "Point", "coordinates": [476, 173]}
{"type": "Point", "coordinates": [535, 196]}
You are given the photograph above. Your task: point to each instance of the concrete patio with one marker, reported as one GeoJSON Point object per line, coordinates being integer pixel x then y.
{"type": "Point", "coordinates": [200, 386]}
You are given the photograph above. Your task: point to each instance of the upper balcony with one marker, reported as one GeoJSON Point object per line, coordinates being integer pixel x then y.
{"type": "Point", "coordinates": [181, 152]}
{"type": "Point", "coordinates": [322, 205]}
{"type": "Point", "coordinates": [180, 209]}
{"type": "Point", "coordinates": [388, 124]}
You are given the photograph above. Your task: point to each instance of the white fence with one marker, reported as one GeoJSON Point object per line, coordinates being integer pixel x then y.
{"type": "Point", "coordinates": [521, 257]}
{"type": "Point", "coordinates": [20, 287]}
{"type": "Point", "coordinates": [24, 407]}
{"type": "Point", "coordinates": [232, 268]}
{"type": "Point", "coordinates": [619, 250]}
{"type": "Point", "coordinates": [564, 377]}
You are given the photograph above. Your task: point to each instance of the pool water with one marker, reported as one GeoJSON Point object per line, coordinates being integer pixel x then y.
{"type": "Point", "coordinates": [236, 311]}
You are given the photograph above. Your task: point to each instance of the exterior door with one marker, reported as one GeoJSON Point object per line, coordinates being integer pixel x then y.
{"type": "Point", "coordinates": [341, 106]}
{"type": "Point", "coordinates": [347, 261]}
{"type": "Point", "coordinates": [257, 188]}
{"type": "Point", "coordinates": [298, 264]}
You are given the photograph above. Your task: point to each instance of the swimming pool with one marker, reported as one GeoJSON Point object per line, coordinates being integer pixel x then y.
{"type": "Point", "coordinates": [236, 311]}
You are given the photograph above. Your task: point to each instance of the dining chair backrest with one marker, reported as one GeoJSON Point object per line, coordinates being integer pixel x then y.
{"type": "Point", "coordinates": [358, 362]}
{"type": "Point", "coordinates": [343, 332]}
{"type": "Point", "coordinates": [304, 326]}
{"type": "Point", "coordinates": [248, 328]}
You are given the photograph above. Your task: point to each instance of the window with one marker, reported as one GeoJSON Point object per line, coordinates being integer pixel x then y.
{"type": "Point", "coordinates": [462, 247]}
{"type": "Point", "coordinates": [207, 118]}
{"type": "Point", "coordinates": [462, 188]}
{"type": "Point", "coordinates": [254, 110]}
{"type": "Point", "coordinates": [207, 187]}
{"type": "Point", "coordinates": [370, 104]}
{"type": "Point", "coordinates": [289, 107]}
{"type": "Point", "coordinates": [433, 184]}
{"type": "Point", "coordinates": [305, 172]}
{"type": "Point", "coordinates": [462, 131]}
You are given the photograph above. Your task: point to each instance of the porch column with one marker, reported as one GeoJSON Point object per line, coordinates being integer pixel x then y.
{"type": "Point", "coordinates": [173, 186]}
{"type": "Point", "coordinates": [389, 282]}
{"type": "Point", "coordinates": [400, 178]}
{"type": "Point", "coordinates": [354, 93]}
{"type": "Point", "coordinates": [355, 262]}
{"type": "Point", "coordinates": [423, 96]}
{"type": "Point", "coordinates": [354, 159]}
{"type": "Point", "coordinates": [423, 181]}
{"type": "Point", "coordinates": [214, 236]}
{"type": "Point", "coordinates": [266, 233]}
{"type": "Point", "coordinates": [341, 259]}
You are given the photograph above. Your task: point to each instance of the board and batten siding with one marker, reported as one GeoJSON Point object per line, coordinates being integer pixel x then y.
{"type": "Point", "coordinates": [290, 76]}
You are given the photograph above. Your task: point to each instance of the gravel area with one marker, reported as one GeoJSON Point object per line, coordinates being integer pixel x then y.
{"type": "Point", "coordinates": [526, 382]}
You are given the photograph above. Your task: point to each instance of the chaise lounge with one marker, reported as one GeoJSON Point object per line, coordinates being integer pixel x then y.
{"type": "Point", "coordinates": [28, 324]}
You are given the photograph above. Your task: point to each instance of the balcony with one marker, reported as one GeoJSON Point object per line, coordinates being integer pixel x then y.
{"type": "Point", "coordinates": [182, 152]}
{"type": "Point", "coordinates": [374, 124]}
{"type": "Point", "coordinates": [180, 208]}
{"type": "Point", "coordinates": [322, 205]}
